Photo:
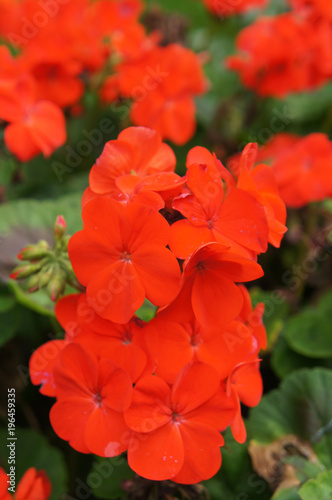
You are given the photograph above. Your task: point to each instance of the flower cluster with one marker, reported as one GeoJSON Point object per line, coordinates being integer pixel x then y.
{"type": "Point", "coordinates": [162, 390]}
{"type": "Point", "coordinates": [302, 166]}
{"type": "Point", "coordinates": [34, 485]}
{"type": "Point", "coordinates": [286, 53]}
{"type": "Point", "coordinates": [65, 48]}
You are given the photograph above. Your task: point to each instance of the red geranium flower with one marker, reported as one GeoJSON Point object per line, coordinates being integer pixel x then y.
{"type": "Point", "coordinates": [34, 126]}
{"type": "Point", "coordinates": [208, 288]}
{"type": "Point", "coordinates": [223, 8]}
{"type": "Point", "coordinates": [176, 431]}
{"type": "Point", "coordinates": [120, 256]}
{"type": "Point", "coordinates": [245, 384]}
{"type": "Point", "coordinates": [91, 398]}
{"type": "Point", "coordinates": [138, 152]}
{"type": "Point", "coordinates": [237, 219]}
{"type": "Point", "coordinates": [34, 485]}
{"type": "Point", "coordinates": [173, 344]}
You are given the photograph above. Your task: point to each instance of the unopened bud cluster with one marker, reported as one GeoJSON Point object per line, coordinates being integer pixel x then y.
{"type": "Point", "coordinates": [47, 267]}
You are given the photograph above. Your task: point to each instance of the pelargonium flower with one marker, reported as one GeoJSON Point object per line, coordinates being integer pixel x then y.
{"type": "Point", "coordinates": [91, 398]}
{"type": "Point", "coordinates": [176, 430]}
{"type": "Point", "coordinates": [33, 485]}
{"type": "Point", "coordinates": [209, 291]}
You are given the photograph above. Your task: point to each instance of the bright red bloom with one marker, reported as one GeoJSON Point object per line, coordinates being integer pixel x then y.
{"type": "Point", "coordinates": [165, 93]}
{"type": "Point", "coordinates": [253, 319]}
{"type": "Point", "coordinates": [4, 493]}
{"type": "Point", "coordinates": [138, 152]}
{"type": "Point", "coordinates": [91, 398]}
{"type": "Point", "coordinates": [208, 288]}
{"type": "Point", "coordinates": [34, 126]}
{"type": "Point", "coordinates": [173, 344]}
{"type": "Point", "coordinates": [304, 171]}
{"type": "Point", "coordinates": [313, 8]}
{"type": "Point", "coordinates": [120, 256]}
{"type": "Point", "coordinates": [121, 343]}
{"type": "Point", "coordinates": [176, 431]}
{"type": "Point", "coordinates": [282, 54]}
{"type": "Point", "coordinates": [34, 485]}
{"type": "Point", "coordinates": [225, 8]}
{"type": "Point", "coordinates": [236, 220]}
{"type": "Point", "coordinates": [260, 182]}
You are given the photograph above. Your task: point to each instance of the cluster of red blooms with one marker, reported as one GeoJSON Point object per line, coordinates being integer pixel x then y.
{"type": "Point", "coordinates": [162, 390]}
{"type": "Point", "coordinates": [34, 485]}
{"type": "Point", "coordinates": [291, 52]}
{"type": "Point", "coordinates": [223, 8]}
{"type": "Point", "coordinates": [302, 166]}
{"type": "Point", "coordinates": [65, 46]}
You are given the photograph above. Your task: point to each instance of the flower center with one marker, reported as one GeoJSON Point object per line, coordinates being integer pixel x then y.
{"type": "Point", "coordinates": [200, 266]}
{"type": "Point", "coordinates": [127, 337]}
{"type": "Point", "coordinates": [126, 256]}
{"type": "Point", "coordinates": [97, 399]}
{"type": "Point", "coordinates": [176, 417]}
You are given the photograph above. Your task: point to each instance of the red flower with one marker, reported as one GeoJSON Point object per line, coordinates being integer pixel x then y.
{"type": "Point", "coordinates": [138, 152]}
{"type": "Point", "coordinates": [245, 384]}
{"type": "Point", "coordinates": [282, 54]}
{"type": "Point", "coordinates": [208, 288]}
{"type": "Point", "coordinates": [303, 171]}
{"type": "Point", "coordinates": [237, 220]}
{"type": "Point", "coordinates": [121, 343]}
{"type": "Point", "coordinates": [4, 494]}
{"type": "Point", "coordinates": [91, 398]}
{"type": "Point", "coordinates": [165, 100]}
{"type": "Point", "coordinates": [260, 182]}
{"type": "Point", "coordinates": [173, 344]}
{"type": "Point", "coordinates": [34, 485]}
{"type": "Point", "coordinates": [176, 431]}
{"type": "Point", "coordinates": [120, 256]}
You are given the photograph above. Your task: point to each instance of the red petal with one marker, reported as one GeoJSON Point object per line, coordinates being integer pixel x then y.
{"type": "Point", "coordinates": [197, 382]}
{"type": "Point", "coordinates": [69, 418]}
{"type": "Point", "coordinates": [117, 292]}
{"type": "Point", "coordinates": [159, 273]}
{"type": "Point", "coordinates": [104, 433]}
{"type": "Point", "coordinates": [202, 457]}
{"type": "Point", "coordinates": [186, 238]}
{"type": "Point", "coordinates": [243, 220]}
{"type": "Point", "coordinates": [42, 363]}
{"type": "Point", "coordinates": [116, 386]}
{"type": "Point", "coordinates": [116, 159]}
{"type": "Point", "coordinates": [19, 141]}
{"type": "Point", "coordinates": [150, 408]}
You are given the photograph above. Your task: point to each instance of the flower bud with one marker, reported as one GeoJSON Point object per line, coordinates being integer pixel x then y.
{"type": "Point", "coordinates": [34, 252]}
{"type": "Point", "coordinates": [59, 227]}
{"type": "Point", "coordinates": [25, 271]}
{"type": "Point", "coordinates": [57, 284]}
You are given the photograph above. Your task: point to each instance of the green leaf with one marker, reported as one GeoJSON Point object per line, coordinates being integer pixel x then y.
{"type": "Point", "coordinates": [147, 311]}
{"type": "Point", "coordinates": [106, 477]}
{"type": "Point", "coordinates": [33, 450]}
{"type": "Point", "coordinates": [286, 494]}
{"type": "Point", "coordinates": [301, 406]}
{"type": "Point", "coordinates": [319, 488]}
{"type": "Point", "coordinates": [9, 324]}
